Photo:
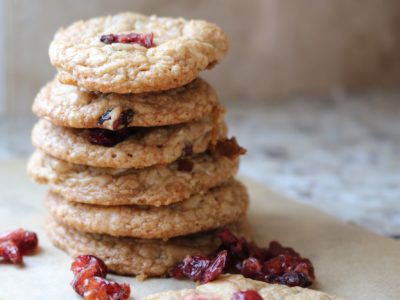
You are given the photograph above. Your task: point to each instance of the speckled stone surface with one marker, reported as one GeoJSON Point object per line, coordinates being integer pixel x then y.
{"type": "Point", "coordinates": [339, 152]}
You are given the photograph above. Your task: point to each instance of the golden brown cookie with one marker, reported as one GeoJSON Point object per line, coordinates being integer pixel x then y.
{"type": "Point", "coordinates": [144, 147]}
{"type": "Point", "coordinates": [226, 285]}
{"type": "Point", "coordinates": [180, 49]}
{"type": "Point", "coordinates": [147, 258]}
{"type": "Point", "coordinates": [218, 207]}
{"type": "Point", "coordinates": [70, 106]}
{"type": "Point", "coordinates": [157, 185]}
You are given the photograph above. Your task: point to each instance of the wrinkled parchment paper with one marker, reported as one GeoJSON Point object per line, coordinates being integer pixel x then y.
{"type": "Point", "coordinates": [349, 262]}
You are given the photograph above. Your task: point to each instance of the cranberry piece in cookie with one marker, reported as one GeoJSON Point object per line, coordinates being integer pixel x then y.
{"type": "Point", "coordinates": [143, 39]}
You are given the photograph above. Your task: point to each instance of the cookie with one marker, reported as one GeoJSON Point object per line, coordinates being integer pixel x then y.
{"type": "Point", "coordinates": [144, 148]}
{"type": "Point", "coordinates": [225, 286]}
{"type": "Point", "coordinates": [67, 105]}
{"type": "Point", "coordinates": [157, 185]}
{"type": "Point", "coordinates": [218, 207]}
{"type": "Point", "coordinates": [173, 56]}
{"type": "Point", "coordinates": [129, 256]}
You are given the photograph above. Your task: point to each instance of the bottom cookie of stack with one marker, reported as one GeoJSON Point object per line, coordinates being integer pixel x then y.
{"type": "Point", "coordinates": [140, 257]}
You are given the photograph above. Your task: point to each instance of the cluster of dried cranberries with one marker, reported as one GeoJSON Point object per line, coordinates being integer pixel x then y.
{"type": "Point", "coordinates": [143, 39]}
{"type": "Point", "coordinates": [90, 280]}
{"type": "Point", "coordinates": [15, 244]}
{"type": "Point", "coordinates": [275, 264]}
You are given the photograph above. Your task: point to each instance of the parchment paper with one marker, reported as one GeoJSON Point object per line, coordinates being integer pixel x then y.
{"type": "Point", "coordinates": [349, 261]}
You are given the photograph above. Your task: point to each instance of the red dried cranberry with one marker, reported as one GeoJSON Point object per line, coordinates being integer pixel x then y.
{"type": "Point", "coordinates": [215, 268]}
{"type": "Point", "coordinates": [229, 148]}
{"type": "Point", "coordinates": [185, 165]}
{"type": "Point", "coordinates": [246, 295]}
{"type": "Point", "coordinates": [108, 138]}
{"type": "Point", "coordinates": [252, 268]}
{"type": "Point", "coordinates": [98, 288]}
{"type": "Point", "coordinates": [14, 244]}
{"type": "Point", "coordinates": [83, 262]}
{"type": "Point", "coordinates": [145, 40]}
{"type": "Point", "coordinates": [200, 268]}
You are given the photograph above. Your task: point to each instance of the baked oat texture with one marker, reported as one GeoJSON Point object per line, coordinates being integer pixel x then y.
{"type": "Point", "coordinates": [129, 256]}
{"type": "Point", "coordinates": [226, 285]}
{"type": "Point", "coordinates": [183, 48]}
{"type": "Point", "coordinates": [157, 185]}
{"type": "Point", "coordinates": [70, 106]}
{"type": "Point", "coordinates": [218, 207]}
{"type": "Point", "coordinates": [148, 147]}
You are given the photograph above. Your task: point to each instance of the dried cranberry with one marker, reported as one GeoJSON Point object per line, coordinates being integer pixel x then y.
{"type": "Point", "coordinates": [124, 119]}
{"type": "Point", "coordinates": [14, 244]}
{"type": "Point", "coordinates": [145, 40]}
{"type": "Point", "coordinates": [275, 249]}
{"type": "Point", "coordinates": [229, 148]}
{"type": "Point", "coordinates": [108, 138]}
{"type": "Point", "coordinates": [9, 251]}
{"type": "Point", "coordinates": [247, 295]}
{"type": "Point", "coordinates": [185, 165]}
{"type": "Point", "coordinates": [187, 151]}
{"type": "Point", "coordinates": [89, 280]}
{"type": "Point", "coordinates": [252, 268]}
{"type": "Point", "coordinates": [215, 268]}
{"type": "Point", "coordinates": [200, 268]}
{"type": "Point", "coordinates": [83, 262]}
{"type": "Point", "coordinates": [98, 288]}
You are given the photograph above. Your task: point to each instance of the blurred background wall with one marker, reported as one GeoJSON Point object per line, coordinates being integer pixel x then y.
{"type": "Point", "coordinates": [278, 47]}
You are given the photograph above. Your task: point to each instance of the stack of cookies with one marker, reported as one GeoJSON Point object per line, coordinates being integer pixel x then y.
{"type": "Point", "coordinates": [133, 144]}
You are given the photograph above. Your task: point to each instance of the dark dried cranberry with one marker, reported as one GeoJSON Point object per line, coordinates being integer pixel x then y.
{"type": "Point", "coordinates": [14, 244]}
{"type": "Point", "coordinates": [185, 165]}
{"type": "Point", "coordinates": [187, 151]}
{"type": "Point", "coordinates": [284, 268]}
{"type": "Point", "coordinates": [124, 119]}
{"type": "Point", "coordinates": [229, 148]}
{"type": "Point", "coordinates": [108, 138]}
{"type": "Point", "coordinates": [200, 268]}
{"type": "Point", "coordinates": [89, 280]}
{"type": "Point", "coordinates": [295, 279]}
{"type": "Point", "coordinates": [146, 40]}
{"type": "Point", "coordinates": [98, 288]}
{"type": "Point", "coordinates": [105, 117]}
{"type": "Point", "coordinates": [247, 295]}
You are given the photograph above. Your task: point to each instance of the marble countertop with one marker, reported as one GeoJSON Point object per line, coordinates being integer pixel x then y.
{"type": "Point", "coordinates": [339, 152]}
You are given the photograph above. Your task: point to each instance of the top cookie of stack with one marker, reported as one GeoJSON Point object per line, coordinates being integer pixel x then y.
{"type": "Point", "coordinates": [133, 144]}
{"type": "Point", "coordinates": [132, 53]}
